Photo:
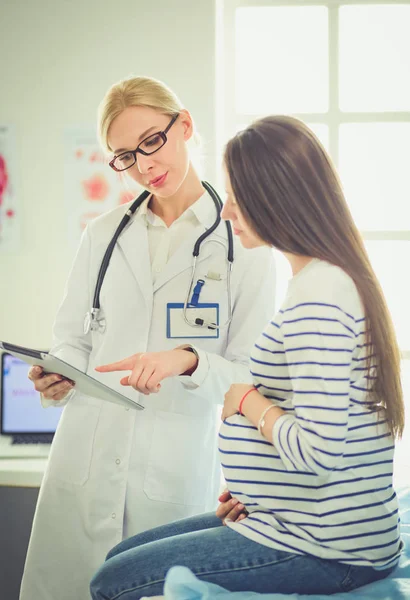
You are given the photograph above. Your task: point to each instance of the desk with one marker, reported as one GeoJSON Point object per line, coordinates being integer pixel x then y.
{"type": "Point", "coordinates": [22, 472]}
{"type": "Point", "coordinates": [20, 480]}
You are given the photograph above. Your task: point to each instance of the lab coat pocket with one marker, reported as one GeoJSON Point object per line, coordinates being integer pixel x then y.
{"type": "Point", "coordinates": [175, 472]}
{"type": "Point", "coordinates": [71, 451]}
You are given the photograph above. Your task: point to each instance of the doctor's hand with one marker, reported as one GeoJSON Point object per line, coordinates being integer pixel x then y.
{"type": "Point", "coordinates": [230, 509]}
{"type": "Point", "coordinates": [150, 368]}
{"type": "Point", "coordinates": [51, 385]}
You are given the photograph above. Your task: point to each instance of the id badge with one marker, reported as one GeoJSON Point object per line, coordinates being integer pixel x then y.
{"type": "Point", "coordinates": [178, 328]}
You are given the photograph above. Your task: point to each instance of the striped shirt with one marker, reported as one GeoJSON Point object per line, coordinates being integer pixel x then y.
{"type": "Point", "coordinates": [323, 484]}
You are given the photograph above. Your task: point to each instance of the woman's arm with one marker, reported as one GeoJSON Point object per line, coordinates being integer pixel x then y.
{"type": "Point", "coordinates": [312, 436]}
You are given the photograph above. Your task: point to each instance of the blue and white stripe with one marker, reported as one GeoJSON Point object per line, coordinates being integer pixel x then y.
{"type": "Point", "coordinates": [324, 484]}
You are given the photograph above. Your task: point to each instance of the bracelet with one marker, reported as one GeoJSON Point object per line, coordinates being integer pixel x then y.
{"type": "Point", "coordinates": [261, 422]}
{"type": "Point", "coordinates": [243, 398]}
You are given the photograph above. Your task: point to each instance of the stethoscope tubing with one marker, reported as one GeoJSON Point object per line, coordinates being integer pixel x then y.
{"type": "Point", "coordinates": [92, 316]}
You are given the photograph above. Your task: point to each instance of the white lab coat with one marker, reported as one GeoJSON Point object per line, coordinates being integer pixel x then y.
{"type": "Point", "coordinates": [161, 462]}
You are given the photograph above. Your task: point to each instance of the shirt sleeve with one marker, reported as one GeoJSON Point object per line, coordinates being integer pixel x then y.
{"type": "Point", "coordinates": [192, 382]}
{"type": "Point", "coordinates": [46, 403]}
{"type": "Point", "coordinates": [70, 343]}
{"type": "Point", "coordinates": [318, 340]}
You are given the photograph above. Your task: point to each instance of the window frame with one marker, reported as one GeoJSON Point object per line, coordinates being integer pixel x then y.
{"type": "Point", "coordinates": [228, 120]}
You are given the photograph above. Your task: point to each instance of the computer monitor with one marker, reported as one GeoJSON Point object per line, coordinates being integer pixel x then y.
{"type": "Point", "coordinates": [21, 410]}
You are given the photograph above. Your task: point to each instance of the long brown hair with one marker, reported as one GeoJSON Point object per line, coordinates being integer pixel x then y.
{"type": "Point", "coordinates": [289, 193]}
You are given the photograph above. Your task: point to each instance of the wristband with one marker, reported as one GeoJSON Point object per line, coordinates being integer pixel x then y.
{"type": "Point", "coordinates": [243, 398]}
{"type": "Point", "coordinates": [190, 349]}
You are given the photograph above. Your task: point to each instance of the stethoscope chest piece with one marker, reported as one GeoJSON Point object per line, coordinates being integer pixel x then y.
{"type": "Point", "coordinates": [91, 323]}
{"type": "Point", "coordinates": [87, 323]}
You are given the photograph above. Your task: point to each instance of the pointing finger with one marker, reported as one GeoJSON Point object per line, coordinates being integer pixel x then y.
{"type": "Point", "coordinates": [126, 364]}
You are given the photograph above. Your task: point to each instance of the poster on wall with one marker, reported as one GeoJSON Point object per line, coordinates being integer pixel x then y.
{"type": "Point", "coordinates": [91, 186]}
{"type": "Point", "coordinates": [9, 225]}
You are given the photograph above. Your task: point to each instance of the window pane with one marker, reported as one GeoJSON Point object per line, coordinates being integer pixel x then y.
{"type": "Point", "coordinates": [374, 55]}
{"type": "Point", "coordinates": [373, 167]}
{"type": "Point", "coordinates": [388, 259]}
{"type": "Point", "coordinates": [322, 132]}
{"type": "Point", "coordinates": [281, 59]}
{"type": "Point", "coordinates": [402, 453]}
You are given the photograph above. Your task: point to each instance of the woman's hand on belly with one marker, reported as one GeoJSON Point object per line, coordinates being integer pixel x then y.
{"type": "Point", "coordinates": [233, 397]}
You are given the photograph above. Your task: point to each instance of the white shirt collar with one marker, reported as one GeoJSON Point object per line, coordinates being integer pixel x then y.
{"type": "Point", "coordinates": [203, 211]}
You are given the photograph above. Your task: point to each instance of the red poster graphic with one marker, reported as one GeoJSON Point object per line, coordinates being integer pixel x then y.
{"type": "Point", "coordinates": [8, 210]}
{"type": "Point", "coordinates": [91, 186]}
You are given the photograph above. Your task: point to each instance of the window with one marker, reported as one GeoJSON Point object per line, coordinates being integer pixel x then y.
{"type": "Point", "coordinates": [344, 69]}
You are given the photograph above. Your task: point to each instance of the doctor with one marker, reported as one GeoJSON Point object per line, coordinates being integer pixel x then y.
{"type": "Point", "coordinates": [114, 472]}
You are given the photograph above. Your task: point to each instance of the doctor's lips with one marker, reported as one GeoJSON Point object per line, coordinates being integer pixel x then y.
{"type": "Point", "coordinates": [158, 181]}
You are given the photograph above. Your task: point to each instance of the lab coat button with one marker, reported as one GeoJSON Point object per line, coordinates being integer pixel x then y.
{"type": "Point", "coordinates": [118, 461]}
{"type": "Point", "coordinates": [113, 516]}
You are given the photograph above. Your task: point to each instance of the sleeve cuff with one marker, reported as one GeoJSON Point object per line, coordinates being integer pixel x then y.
{"type": "Point", "coordinates": [194, 381]}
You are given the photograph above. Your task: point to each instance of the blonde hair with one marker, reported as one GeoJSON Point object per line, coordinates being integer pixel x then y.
{"type": "Point", "coordinates": [134, 91]}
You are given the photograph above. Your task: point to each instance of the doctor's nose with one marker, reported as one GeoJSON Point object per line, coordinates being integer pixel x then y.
{"type": "Point", "coordinates": [144, 163]}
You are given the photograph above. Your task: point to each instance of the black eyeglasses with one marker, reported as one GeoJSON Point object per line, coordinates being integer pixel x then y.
{"type": "Point", "coordinates": [149, 145]}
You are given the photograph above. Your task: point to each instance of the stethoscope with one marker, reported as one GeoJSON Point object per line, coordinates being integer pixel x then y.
{"type": "Point", "coordinates": [92, 322]}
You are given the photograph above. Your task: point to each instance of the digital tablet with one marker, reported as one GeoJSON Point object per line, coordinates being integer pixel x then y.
{"type": "Point", "coordinates": [83, 383]}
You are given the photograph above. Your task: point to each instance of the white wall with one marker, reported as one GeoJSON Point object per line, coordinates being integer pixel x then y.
{"type": "Point", "coordinates": [57, 59]}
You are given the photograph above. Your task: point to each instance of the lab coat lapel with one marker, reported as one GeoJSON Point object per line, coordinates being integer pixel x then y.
{"type": "Point", "coordinates": [133, 244]}
{"type": "Point", "coordinates": [183, 258]}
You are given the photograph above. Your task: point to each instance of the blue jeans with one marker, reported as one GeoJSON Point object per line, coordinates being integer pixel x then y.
{"type": "Point", "coordinates": [137, 567]}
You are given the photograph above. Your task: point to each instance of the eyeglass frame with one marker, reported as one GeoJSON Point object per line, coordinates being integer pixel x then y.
{"type": "Point", "coordinates": [163, 136]}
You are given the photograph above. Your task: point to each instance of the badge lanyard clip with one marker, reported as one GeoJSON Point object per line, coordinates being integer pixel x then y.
{"type": "Point", "coordinates": [196, 292]}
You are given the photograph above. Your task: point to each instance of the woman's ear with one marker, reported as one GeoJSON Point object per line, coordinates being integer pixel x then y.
{"type": "Point", "coordinates": [187, 124]}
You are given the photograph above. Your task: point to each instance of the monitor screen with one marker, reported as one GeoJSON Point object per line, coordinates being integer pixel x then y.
{"type": "Point", "coordinates": [21, 410]}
